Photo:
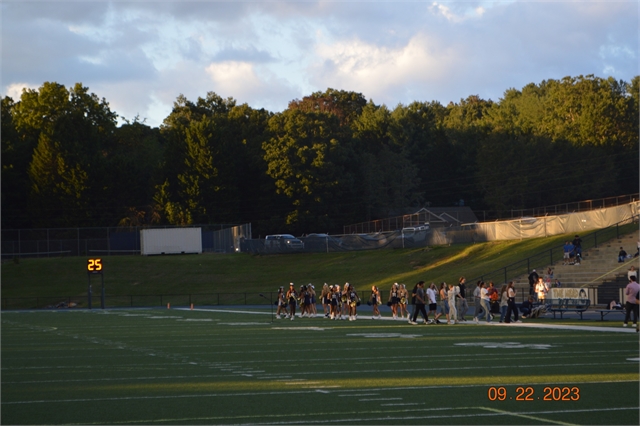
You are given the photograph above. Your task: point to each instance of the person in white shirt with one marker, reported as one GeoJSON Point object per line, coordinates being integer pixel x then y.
{"type": "Point", "coordinates": [433, 303]}
{"type": "Point", "coordinates": [452, 295]}
{"type": "Point", "coordinates": [484, 299]}
{"type": "Point", "coordinates": [541, 290]}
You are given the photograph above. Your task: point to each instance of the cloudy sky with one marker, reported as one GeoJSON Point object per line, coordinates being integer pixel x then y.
{"type": "Point", "coordinates": [140, 55]}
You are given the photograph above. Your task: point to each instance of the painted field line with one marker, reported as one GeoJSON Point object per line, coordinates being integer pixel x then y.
{"type": "Point", "coordinates": [525, 416]}
{"type": "Point", "coordinates": [381, 399]}
{"type": "Point", "coordinates": [359, 394]}
{"type": "Point", "coordinates": [403, 357]}
{"type": "Point", "coordinates": [228, 420]}
{"type": "Point", "coordinates": [568, 327]}
{"type": "Point", "coordinates": [493, 324]}
{"type": "Point", "coordinates": [227, 311]}
{"type": "Point", "coordinates": [402, 404]}
{"type": "Point", "coordinates": [479, 367]}
{"type": "Point", "coordinates": [274, 388]}
{"type": "Point", "coordinates": [291, 392]}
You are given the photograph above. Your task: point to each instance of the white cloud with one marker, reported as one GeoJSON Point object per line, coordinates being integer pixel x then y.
{"type": "Point", "coordinates": [140, 55]}
{"type": "Point", "coordinates": [247, 82]}
{"type": "Point", "coordinates": [376, 71]}
{"type": "Point", "coordinates": [14, 90]}
{"type": "Point", "coordinates": [234, 76]}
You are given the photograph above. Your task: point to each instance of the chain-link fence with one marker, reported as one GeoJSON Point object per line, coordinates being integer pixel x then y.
{"type": "Point", "coordinates": [108, 241]}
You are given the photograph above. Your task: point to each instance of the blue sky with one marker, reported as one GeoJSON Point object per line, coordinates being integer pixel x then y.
{"type": "Point", "coordinates": [140, 55]}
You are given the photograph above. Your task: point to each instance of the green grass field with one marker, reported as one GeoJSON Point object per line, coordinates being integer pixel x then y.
{"type": "Point", "coordinates": [229, 273]}
{"type": "Point", "coordinates": [158, 366]}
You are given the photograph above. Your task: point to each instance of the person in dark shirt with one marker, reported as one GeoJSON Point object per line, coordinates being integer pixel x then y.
{"type": "Point", "coordinates": [463, 306]}
{"type": "Point", "coordinates": [526, 307]}
{"type": "Point", "coordinates": [622, 255]}
{"type": "Point", "coordinates": [533, 279]}
{"type": "Point", "coordinates": [420, 305]}
{"type": "Point", "coordinates": [577, 247]}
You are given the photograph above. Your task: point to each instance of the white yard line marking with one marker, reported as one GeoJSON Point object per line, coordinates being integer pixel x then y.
{"type": "Point", "coordinates": [402, 403]}
{"type": "Point", "coordinates": [359, 394]}
{"type": "Point", "coordinates": [380, 399]}
{"type": "Point", "coordinates": [292, 392]}
{"type": "Point", "coordinates": [369, 420]}
{"type": "Point", "coordinates": [525, 416]}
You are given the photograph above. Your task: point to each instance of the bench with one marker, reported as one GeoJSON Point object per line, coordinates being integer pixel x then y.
{"type": "Point", "coordinates": [568, 305]}
{"type": "Point", "coordinates": [605, 312]}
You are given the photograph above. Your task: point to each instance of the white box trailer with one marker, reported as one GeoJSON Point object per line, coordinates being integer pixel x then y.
{"type": "Point", "coordinates": [171, 241]}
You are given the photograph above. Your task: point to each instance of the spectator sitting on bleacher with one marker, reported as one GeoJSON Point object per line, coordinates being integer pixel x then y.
{"type": "Point", "coordinates": [615, 305]}
{"type": "Point", "coordinates": [622, 255]}
{"type": "Point", "coordinates": [526, 306]}
{"type": "Point", "coordinates": [632, 272]}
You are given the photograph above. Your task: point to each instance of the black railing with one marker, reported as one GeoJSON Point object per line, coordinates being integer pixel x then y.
{"type": "Point", "coordinates": [548, 257]}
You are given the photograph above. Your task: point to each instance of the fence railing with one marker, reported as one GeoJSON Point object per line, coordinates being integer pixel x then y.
{"type": "Point", "coordinates": [425, 216]}
{"type": "Point", "coordinates": [549, 257]}
{"type": "Point", "coordinates": [557, 209]}
{"type": "Point", "coordinates": [51, 242]}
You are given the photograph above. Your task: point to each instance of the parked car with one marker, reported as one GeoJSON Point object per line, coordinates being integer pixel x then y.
{"type": "Point", "coordinates": [320, 242]}
{"type": "Point", "coordinates": [415, 233]}
{"type": "Point", "coordinates": [283, 241]}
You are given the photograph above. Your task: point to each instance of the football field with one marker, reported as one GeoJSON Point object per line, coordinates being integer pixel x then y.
{"type": "Point", "coordinates": [209, 366]}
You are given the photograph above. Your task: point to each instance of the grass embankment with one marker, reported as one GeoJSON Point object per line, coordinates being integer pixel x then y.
{"type": "Point", "coordinates": [212, 273]}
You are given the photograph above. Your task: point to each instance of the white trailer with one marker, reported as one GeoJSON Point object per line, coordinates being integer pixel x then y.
{"type": "Point", "coordinates": [171, 241]}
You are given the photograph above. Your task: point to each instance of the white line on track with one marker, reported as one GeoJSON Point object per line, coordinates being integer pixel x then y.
{"type": "Point", "coordinates": [493, 324]}
{"type": "Point", "coordinates": [402, 403]}
{"type": "Point", "coordinates": [292, 392]}
{"type": "Point", "coordinates": [359, 394]}
{"type": "Point", "coordinates": [524, 416]}
{"type": "Point", "coordinates": [380, 399]}
{"type": "Point", "coordinates": [368, 420]}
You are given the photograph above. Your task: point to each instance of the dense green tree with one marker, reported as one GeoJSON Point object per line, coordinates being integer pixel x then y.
{"type": "Point", "coordinates": [308, 157]}
{"type": "Point", "coordinates": [387, 175]}
{"type": "Point", "coordinates": [213, 164]}
{"type": "Point", "coordinates": [330, 159]}
{"type": "Point", "coordinates": [16, 155]}
{"type": "Point", "coordinates": [343, 104]}
{"type": "Point", "coordinates": [133, 164]}
{"type": "Point", "coordinates": [71, 130]}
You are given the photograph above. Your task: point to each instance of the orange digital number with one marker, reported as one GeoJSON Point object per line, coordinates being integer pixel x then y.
{"type": "Point", "coordinates": [524, 394]}
{"type": "Point", "coordinates": [499, 393]}
{"type": "Point", "coordinates": [94, 265]}
{"type": "Point", "coordinates": [561, 394]}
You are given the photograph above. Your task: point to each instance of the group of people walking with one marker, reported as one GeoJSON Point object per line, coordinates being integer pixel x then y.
{"type": "Point", "coordinates": [448, 301]}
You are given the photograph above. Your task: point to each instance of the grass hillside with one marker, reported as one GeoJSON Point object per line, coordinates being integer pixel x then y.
{"type": "Point", "coordinates": [212, 273]}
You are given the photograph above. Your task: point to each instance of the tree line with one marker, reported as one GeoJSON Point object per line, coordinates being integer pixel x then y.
{"type": "Point", "coordinates": [329, 159]}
